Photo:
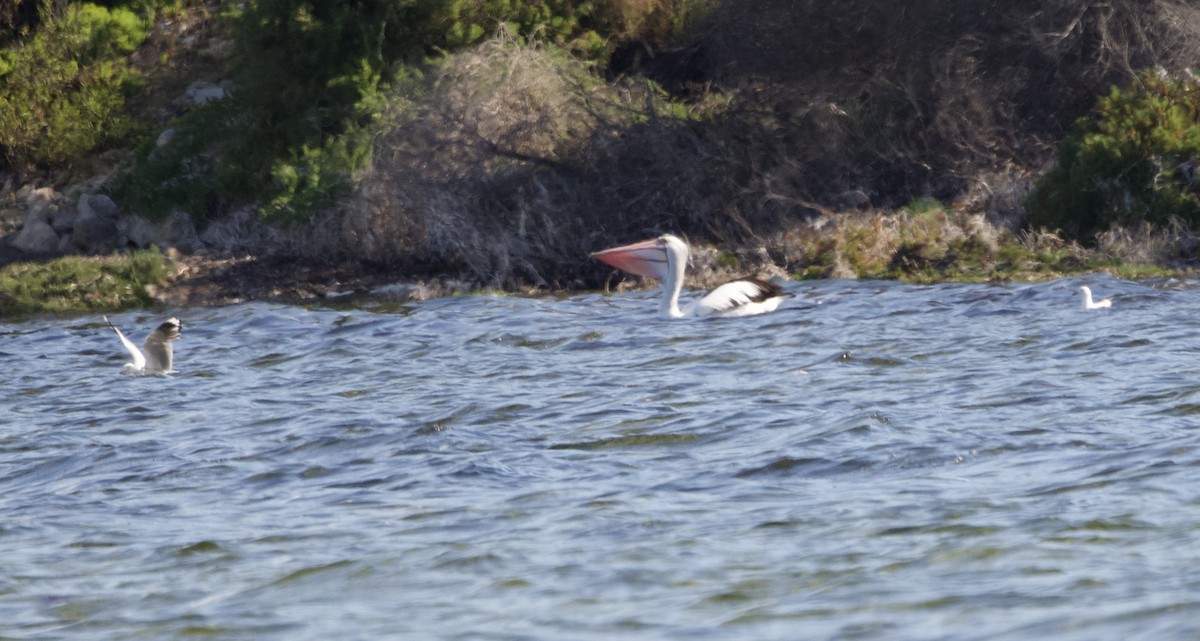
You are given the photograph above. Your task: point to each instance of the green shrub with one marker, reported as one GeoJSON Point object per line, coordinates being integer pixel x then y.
{"type": "Point", "coordinates": [107, 33]}
{"type": "Point", "coordinates": [310, 77]}
{"type": "Point", "coordinates": [62, 90]}
{"type": "Point", "coordinates": [1134, 160]}
{"type": "Point", "coordinates": [184, 172]}
{"type": "Point", "coordinates": [312, 73]}
{"type": "Point", "coordinates": [923, 205]}
{"type": "Point", "coordinates": [466, 22]}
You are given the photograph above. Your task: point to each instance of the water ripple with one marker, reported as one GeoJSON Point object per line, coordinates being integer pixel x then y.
{"type": "Point", "coordinates": [874, 461]}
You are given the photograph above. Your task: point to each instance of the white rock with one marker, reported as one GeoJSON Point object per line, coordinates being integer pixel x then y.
{"type": "Point", "coordinates": [165, 137]}
{"type": "Point", "coordinates": [200, 92]}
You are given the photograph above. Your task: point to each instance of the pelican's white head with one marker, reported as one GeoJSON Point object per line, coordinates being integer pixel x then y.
{"type": "Point", "coordinates": [664, 258]}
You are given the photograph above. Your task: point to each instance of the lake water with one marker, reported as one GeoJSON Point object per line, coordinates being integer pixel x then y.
{"type": "Point", "coordinates": [873, 461]}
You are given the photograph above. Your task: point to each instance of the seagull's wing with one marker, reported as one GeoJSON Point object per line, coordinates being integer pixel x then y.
{"type": "Point", "coordinates": [159, 353]}
{"type": "Point", "coordinates": [139, 361]}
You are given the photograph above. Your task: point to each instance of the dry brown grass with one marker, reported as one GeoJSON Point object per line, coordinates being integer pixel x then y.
{"type": "Point", "coordinates": [468, 178]}
{"type": "Point", "coordinates": [520, 162]}
{"type": "Point", "coordinates": [935, 92]}
{"type": "Point", "coordinates": [1172, 245]}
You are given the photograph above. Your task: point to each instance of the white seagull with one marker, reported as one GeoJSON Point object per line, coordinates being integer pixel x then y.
{"type": "Point", "coordinates": [156, 354]}
{"type": "Point", "coordinates": [1088, 303]}
{"type": "Point", "coordinates": [665, 258]}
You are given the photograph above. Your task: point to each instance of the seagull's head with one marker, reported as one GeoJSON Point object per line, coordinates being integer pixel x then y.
{"type": "Point", "coordinates": [170, 329]}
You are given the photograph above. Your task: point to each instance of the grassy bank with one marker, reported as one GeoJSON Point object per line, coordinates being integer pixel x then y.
{"type": "Point", "coordinates": [928, 243]}
{"type": "Point", "coordinates": [82, 284]}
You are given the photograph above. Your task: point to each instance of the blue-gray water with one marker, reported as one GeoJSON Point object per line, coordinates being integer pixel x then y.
{"type": "Point", "coordinates": [873, 461]}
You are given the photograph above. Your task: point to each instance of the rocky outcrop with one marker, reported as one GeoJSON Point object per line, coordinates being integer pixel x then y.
{"type": "Point", "coordinates": [92, 223]}
{"type": "Point", "coordinates": [37, 234]}
{"type": "Point", "coordinates": [43, 221]}
{"type": "Point", "coordinates": [95, 224]}
{"type": "Point", "coordinates": [37, 237]}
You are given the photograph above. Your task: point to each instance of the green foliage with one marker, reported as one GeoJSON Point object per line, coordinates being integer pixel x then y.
{"type": "Point", "coordinates": [449, 25]}
{"type": "Point", "coordinates": [311, 76]}
{"type": "Point", "coordinates": [184, 172]}
{"type": "Point", "coordinates": [923, 205]}
{"type": "Point", "coordinates": [74, 284]}
{"type": "Point", "coordinates": [107, 33]}
{"type": "Point", "coordinates": [62, 91]}
{"type": "Point", "coordinates": [148, 7]}
{"type": "Point", "coordinates": [312, 180]}
{"type": "Point", "coordinates": [466, 22]}
{"type": "Point", "coordinates": [1134, 160]}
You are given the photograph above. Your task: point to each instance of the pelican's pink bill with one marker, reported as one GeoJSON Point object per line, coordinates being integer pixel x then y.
{"type": "Point", "coordinates": [647, 258]}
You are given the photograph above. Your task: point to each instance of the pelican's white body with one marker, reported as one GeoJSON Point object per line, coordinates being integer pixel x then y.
{"type": "Point", "coordinates": [665, 259]}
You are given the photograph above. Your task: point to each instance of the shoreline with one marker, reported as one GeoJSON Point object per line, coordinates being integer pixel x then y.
{"type": "Point", "coordinates": [205, 281]}
{"type": "Point", "coordinates": [934, 246]}
{"type": "Point", "coordinates": [215, 282]}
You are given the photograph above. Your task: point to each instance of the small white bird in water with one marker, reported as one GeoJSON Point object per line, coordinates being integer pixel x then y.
{"type": "Point", "coordinates": [1088, 303]}
{"type": "Point", "coordinates": [156, 354]}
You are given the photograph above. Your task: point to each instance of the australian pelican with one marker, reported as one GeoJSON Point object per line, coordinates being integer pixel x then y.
{"type": "Point", "coordinates": [665, 258]}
